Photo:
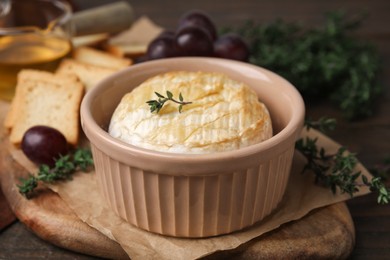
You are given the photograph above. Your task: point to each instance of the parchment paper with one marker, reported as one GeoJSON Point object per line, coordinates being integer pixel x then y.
{"type": "Point", "coordinates": [302, 196]}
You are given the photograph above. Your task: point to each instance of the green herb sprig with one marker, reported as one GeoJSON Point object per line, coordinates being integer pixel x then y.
{"type": "Point", "coordinates": [156, 105]}
{"type": "Point", "coordinates": [382, 169]}
{"type": "Point", "coordinates": [336, 171]}
{"type": "Point", "coordinates": [324, 124]}
{"type": "Point", "coordinates": [63, 169]}
{"type": "Point", "coordinates": [328, 62]}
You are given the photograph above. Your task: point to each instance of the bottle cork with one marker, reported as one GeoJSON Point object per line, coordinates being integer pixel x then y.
{"type": "Point", "coordinates": [110, 18]}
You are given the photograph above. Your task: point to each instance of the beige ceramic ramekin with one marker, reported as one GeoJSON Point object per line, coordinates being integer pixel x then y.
{"type": "Point", "coordinates": [193, 195]}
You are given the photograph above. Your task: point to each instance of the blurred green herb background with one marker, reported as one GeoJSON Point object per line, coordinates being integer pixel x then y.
{"type": "Point", "coordinates": [329, 62]}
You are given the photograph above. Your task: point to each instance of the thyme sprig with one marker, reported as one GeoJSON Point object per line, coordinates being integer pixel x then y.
{"type": "Point", "coordinates": [337, 171]}
{"type": "Point", "coordinates": [324, 124]}
{"type": "Point", "coordinates": [156, 105]}
{"type": "Point", "coordinates": [63, 169]}
{"type": "Point", "coordinates": [382, 169]}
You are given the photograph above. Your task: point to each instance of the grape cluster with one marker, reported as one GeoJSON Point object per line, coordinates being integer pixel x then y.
{"type": "Point", "coordinates": [196, 35]}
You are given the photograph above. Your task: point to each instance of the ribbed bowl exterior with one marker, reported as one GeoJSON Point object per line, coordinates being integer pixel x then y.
{"type": "Point", "coordinates": [193, 206]}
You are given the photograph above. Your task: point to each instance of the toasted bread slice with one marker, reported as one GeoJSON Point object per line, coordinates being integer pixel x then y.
{"type": "Point", "coordinates": [128, 51]}
{"type": "Point", "coordinates": [133, 42]}
{"type": "Point", "coordinates": [47, 99]}
{"type": "Point", "coordinates": [93, 40]}
{"type": "Point", "coordinates": [22, 78]}
{"type": "Point", "coordinates": [11, 114]}
{"type": "Point", "coordinates": [88, 74]}
{"type": "Point", "coordinates": [100, 58]}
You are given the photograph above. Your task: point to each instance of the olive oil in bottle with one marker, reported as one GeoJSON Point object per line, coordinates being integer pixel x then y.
{"type": "Point", "coordinates": [28, 51]}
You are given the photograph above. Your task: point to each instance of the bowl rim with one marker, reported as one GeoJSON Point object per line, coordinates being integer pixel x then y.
{"type": "Point", "coordinates": [293, 127]}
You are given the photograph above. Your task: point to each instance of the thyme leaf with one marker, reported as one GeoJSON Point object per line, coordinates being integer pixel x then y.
{"type": "Point", "coordinates": [324, 124]}
{"type": "Point", "coordinates": [382, 169]}
{"type": "Point", "coordinates": [155, 105]}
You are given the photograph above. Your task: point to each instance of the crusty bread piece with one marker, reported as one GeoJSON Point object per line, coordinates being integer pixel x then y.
{"type": "Point", "coordinates": [88, 74]}
{"type": "Point", "coordinates": [100, 58]}
{"type": "Point", "coordinates": [47, 99]}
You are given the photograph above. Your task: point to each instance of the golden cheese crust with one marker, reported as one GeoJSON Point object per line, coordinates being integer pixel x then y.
{"type": "Point", "coordinates": [224, 115]}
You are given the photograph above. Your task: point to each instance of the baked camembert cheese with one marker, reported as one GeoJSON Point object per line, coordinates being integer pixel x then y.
{"type": "Point", "coordinates": [224, 115]}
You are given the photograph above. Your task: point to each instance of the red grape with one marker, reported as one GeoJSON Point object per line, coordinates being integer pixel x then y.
{"type": "Point", "coordinates": [141, 59]}
{"type": "Point", "coordinates": [166, 34]}
{"type": "Point", "coordinates": [194, 41]}
{"type": "Point", "coordinates": [231, 46]}
{"type": "Point", "coordinates": [198, 19]}
{"type": "Point", "coordinates": [163, 46]}
{"type": "Point", "coordinates": [43, 144]}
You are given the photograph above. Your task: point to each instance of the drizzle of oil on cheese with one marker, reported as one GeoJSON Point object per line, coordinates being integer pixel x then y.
{"type": "Point", "coordinates": [224, 115]}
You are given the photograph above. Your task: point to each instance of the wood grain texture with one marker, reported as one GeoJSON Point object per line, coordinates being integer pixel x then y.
{"type": "Point", "coordinates": [325, 233]}
{"type": "Point", "coordinates": [48, 216]}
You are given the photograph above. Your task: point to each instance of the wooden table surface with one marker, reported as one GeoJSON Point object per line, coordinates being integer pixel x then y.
{"type": "Point", "coordinates": [369, 138]}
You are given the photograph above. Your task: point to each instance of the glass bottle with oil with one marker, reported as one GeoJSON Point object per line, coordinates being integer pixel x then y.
{"type": "Point", "coordinates": [30, 40]}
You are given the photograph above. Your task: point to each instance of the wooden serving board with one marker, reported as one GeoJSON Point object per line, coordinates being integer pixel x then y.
{"type": "Point", "coordinates": [6, 216]}
{"type": "Point", "coordinates": [327, 232]}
